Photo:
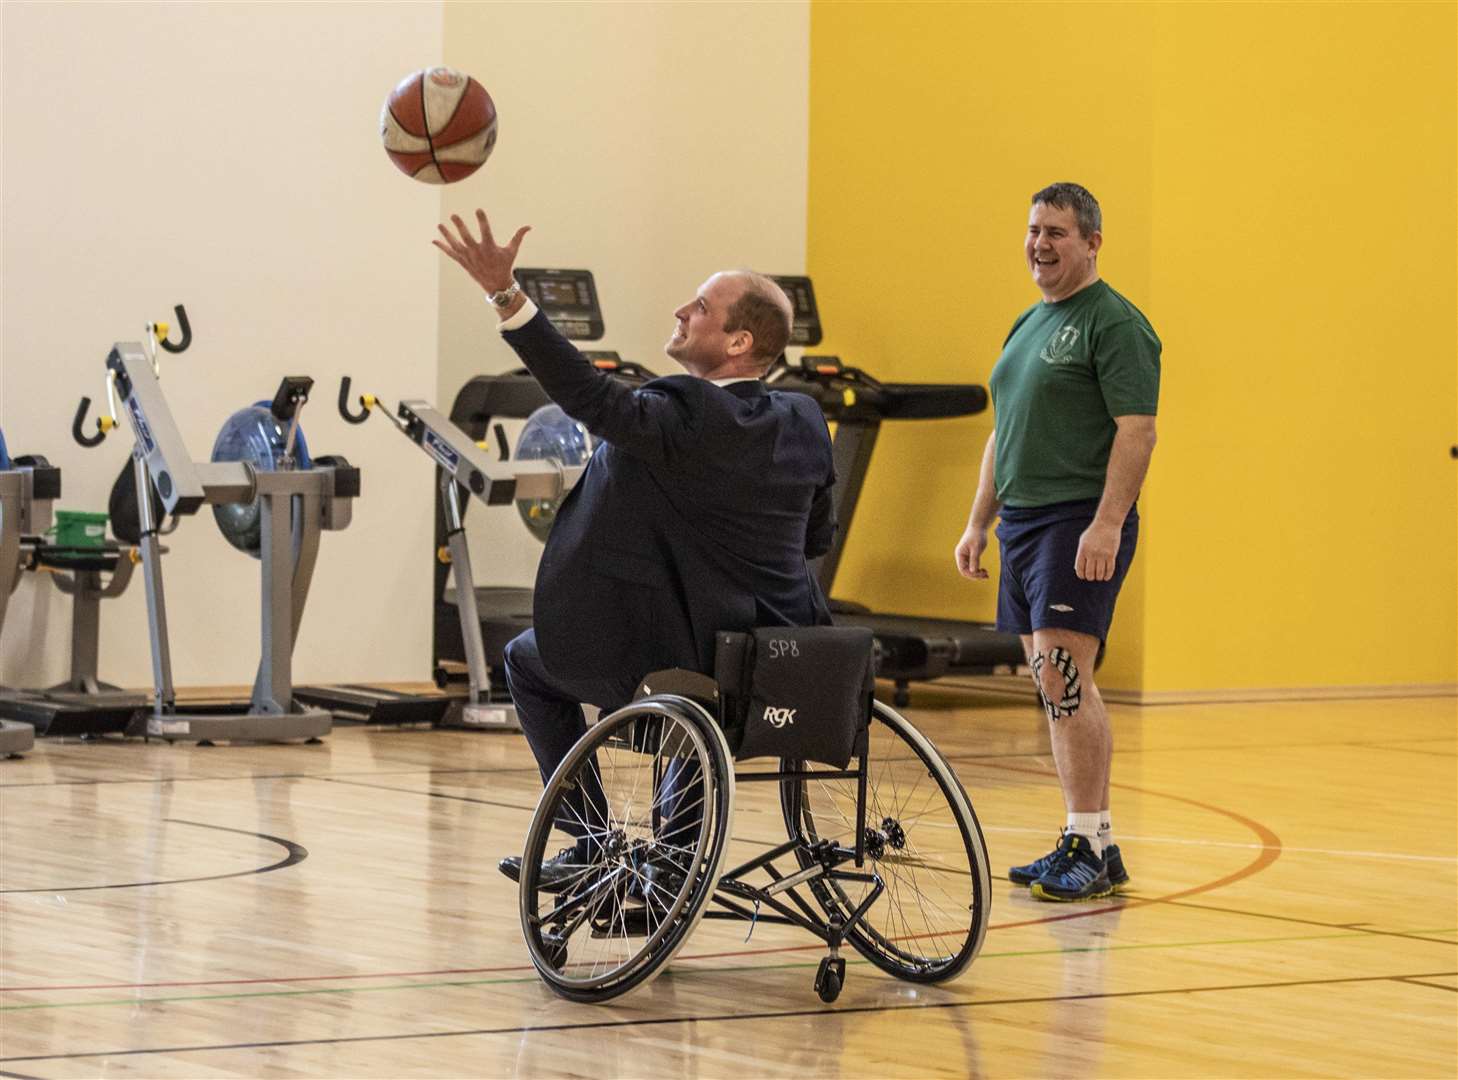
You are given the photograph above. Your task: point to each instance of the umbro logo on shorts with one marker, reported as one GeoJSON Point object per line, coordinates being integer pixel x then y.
{"type": "Point", "coordinates": [1059, 607]}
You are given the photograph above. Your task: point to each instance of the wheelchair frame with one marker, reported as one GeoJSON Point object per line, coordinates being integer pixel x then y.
{"type": "Point", "coordinates": [822, 863]}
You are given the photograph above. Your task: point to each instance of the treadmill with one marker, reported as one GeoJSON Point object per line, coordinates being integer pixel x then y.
{"type": "Point", "coordinates": [912, 648]}
{"type": "Point", "coordinates": [569, 299]}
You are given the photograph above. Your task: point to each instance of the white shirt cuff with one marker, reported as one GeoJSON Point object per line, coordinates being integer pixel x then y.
{"type": "Point", "coordinates": [520, 319]}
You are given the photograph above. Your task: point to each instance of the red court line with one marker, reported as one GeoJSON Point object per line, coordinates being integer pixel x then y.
{"type": "Point", "coordinates": [1270, 852]}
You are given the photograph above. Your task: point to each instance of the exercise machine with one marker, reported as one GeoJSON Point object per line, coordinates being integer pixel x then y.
{"type": "Point", "coordinates": [569, 299]}
{"type": "Point", "coordinates": [464, 471]}
{"type": "Point", "coordinates": [292, 506]}
{"type": "Point", "coordinates": [28, 486]}
{"type": "Point", "coordinates": [912, 648]}
{"type": "Point", "coordinates": [89, 572]}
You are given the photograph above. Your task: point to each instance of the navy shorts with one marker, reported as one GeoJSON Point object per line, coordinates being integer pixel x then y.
{"type": "Point", "coordinates": [1038, 589]}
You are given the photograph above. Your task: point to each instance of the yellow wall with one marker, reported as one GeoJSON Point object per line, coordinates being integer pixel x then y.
{"type": "Point", "coordinates": [1278, 185]}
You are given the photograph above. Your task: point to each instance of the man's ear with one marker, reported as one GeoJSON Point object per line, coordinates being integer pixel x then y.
{"type": "Point", "coordinates": [741, 342]}
{"type": "Point", "coordinates": [1096, 241]}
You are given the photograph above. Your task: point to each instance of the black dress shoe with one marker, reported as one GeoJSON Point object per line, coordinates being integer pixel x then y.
{"type": "Point", "coordinates": [558, 874]}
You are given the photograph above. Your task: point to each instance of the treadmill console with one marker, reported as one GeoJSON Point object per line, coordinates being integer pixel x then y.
{"type": "Point", "coordinates": [610, 363]}
{"type": "Point", "coordinates": [805, 330]}
{"type": "Point", "coordinates": [568, 298]}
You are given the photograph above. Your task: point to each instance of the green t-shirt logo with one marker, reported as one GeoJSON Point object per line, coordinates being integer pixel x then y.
{"type": "Point", "coordinates": [1059, 349]}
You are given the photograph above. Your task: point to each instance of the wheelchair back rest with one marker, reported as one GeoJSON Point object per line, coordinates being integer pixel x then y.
{"type": "Point", "coordinates": [799, 692]}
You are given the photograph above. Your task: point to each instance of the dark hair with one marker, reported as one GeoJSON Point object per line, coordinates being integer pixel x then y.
{"type": "Point", "coordinates": [1077, 198]}
{"type": "Point", "coordinates": [764, 310]}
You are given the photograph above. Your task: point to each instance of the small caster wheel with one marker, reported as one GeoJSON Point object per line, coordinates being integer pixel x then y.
{"type": "Point", "coordinates": [554, 951]}
{"type": "Point", "coordinates": [830, 978]}
{"type": "Point", "coordinates": [902, 697]}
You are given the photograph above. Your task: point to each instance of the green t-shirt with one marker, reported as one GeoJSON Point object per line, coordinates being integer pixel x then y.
{"type": "Point", "coordinates": [1066, 370]}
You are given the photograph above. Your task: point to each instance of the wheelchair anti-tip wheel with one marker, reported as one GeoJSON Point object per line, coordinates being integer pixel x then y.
{"type": "Point", "coordinates": [651, 789]}
{"type": "Point", "coordinates": [922, 839]}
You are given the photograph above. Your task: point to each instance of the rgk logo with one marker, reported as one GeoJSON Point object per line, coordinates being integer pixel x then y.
{"type": "Point", "coordinates": [779, 717]}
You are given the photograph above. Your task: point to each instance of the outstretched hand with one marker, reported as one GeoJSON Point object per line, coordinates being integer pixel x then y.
{"type": "Point", "coordinates": [488, 263]}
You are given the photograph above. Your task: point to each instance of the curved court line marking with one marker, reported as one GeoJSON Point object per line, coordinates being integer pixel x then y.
{"type": "Point", "coordinates": [660, 1021]}
{"type": "Point", "coordinates": [296, 853]}
{"type": "Point", "coordinates": [1271, 849]}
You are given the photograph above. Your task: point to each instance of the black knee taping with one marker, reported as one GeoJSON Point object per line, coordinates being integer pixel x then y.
{"type": "Point", "coordinates": [1061, 659]}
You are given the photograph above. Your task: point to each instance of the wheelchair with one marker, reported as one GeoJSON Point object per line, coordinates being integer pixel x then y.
{"type": "Point", "coordinates": [882, 849]}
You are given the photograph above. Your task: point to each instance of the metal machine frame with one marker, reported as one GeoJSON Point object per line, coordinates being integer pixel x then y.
{"type": "Point", "coordinates": [464, 471]}
{"type": "Point", "coordinates": [26, 493]}
{"type": "Point", "coordinates": [295, 506]}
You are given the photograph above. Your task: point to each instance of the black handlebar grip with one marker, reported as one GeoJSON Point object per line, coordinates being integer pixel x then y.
{"type": "Point", "coordinates": [501, 446]}
{"type": "Point", "coordinates": [78, 431]}
{"type": "Point", "coordinates": [186, 332]}
{"type": "Point", "coordinates": [364, 414]}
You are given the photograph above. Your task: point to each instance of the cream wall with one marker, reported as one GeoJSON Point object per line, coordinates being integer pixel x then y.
{"type": "Point", "coordinates": [225, 156]}
{"type": "Point", "coordinates": [652, 143]}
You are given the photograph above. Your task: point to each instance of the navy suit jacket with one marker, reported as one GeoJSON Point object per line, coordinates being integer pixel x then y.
{"type": "Point", "coordinates": [696, 513]}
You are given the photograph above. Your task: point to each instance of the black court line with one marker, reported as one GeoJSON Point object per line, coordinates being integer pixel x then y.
{"type": "Point", "coordinates": [296, 853]}
{"type": "Point", "coordinates": [426, 794]}
{"type": "Point", "coordinates": [1432, 986]}
{"type": "Point", "coordinates": [271, 776]}
{"type": "Point", "coordinates": [1359, 927]}
{"type": "Point", "coordinates": [661, 1021]}
{"type": "Point", "coordinates": [17, 1076]}
{"type": "Point", "coordinates": [1404, 750]}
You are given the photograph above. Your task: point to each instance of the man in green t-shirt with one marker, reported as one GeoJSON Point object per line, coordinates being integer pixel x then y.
{"type": "Point", "coordinates": [1074, 394]}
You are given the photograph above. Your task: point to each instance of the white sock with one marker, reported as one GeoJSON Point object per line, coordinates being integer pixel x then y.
{"type": "Point", "coordinates": [1106, 831]}
{"type": "Point", "coordinates": [1086, 826]}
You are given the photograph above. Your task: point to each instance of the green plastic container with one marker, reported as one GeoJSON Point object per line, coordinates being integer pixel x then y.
{"type": "Point", "coordinates": [78, 528]}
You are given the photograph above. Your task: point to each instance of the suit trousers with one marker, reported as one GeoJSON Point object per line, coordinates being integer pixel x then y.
{"type": "Point", "coordinates": [549, 708]}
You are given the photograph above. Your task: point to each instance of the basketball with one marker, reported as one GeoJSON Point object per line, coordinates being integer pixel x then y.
{"type": "Point", "coordinates": [438, 125]}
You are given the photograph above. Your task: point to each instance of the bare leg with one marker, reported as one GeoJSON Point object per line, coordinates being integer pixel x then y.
{"type": "Point", "coordinates": [1078, 724]}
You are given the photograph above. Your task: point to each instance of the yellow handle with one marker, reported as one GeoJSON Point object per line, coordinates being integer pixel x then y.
{"type": "Point", "coordinates": [535, 511]}
{"type": "Point", "coordinates": [135, 555]}
{"type": "Point", "coordinates": [104, 424]}
{"type": "Point", "coordinates": [161, 329]}
{"type": "Point", "coordinates": [848, 396]}
{"type": "Point", "coordinates": [444, 555]}
{"type": "Point", "coordinates": [481, 445]}
{"type": "Point", "coordinates": [369, 401]}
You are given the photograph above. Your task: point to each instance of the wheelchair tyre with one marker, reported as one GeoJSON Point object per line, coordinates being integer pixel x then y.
{"type": "Point", "coordinates": [639, 897]}
{"type": "Point", "coordinates": [922, 840]}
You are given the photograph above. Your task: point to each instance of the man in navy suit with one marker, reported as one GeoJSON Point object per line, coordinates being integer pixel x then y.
{"type": "Point", "coordinates": [697, 513]}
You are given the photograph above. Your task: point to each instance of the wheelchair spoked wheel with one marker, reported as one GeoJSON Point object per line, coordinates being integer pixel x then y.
{"type": "Point", "coordinates": [652, 787]}
{"type": "Point", "coordinates": [922, 840]}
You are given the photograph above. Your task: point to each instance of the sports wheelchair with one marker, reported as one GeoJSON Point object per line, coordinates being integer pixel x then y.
{"type": "Point", "coordinates": [880, 832]}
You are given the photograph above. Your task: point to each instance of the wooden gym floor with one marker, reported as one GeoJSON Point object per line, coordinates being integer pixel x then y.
{"type": "Point", "coordinates": [335, 911]}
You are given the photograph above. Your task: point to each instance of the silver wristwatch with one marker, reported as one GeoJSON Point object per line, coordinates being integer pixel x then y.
{"type": "Point", "coordinates": [505, 296]}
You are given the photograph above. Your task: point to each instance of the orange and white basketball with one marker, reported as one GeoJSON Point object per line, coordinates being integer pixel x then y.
{"type": "Point", "coordinates": [438, 125]}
